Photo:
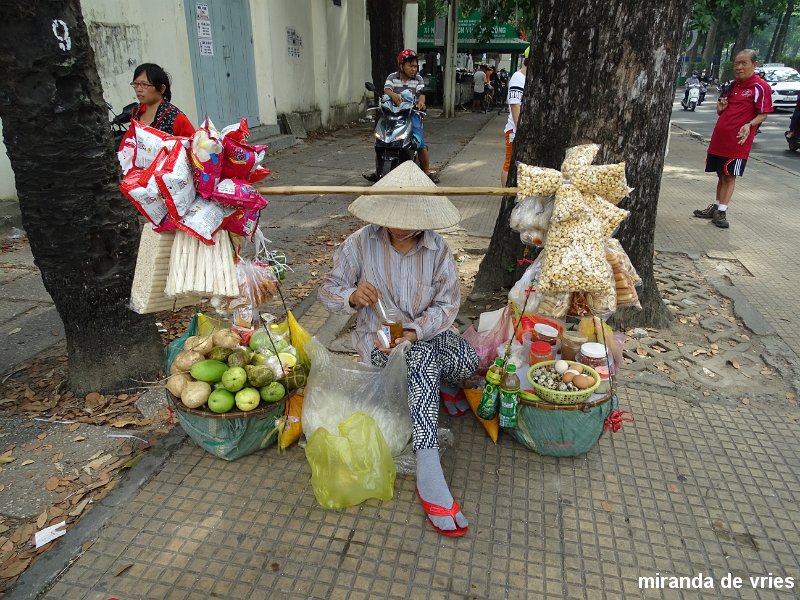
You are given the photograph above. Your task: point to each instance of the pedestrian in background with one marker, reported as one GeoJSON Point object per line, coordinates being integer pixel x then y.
{"type": "Point", "coordinates": [742, 108]}
{"type": "Point", "coordinates": [478, 88]}
{"type": "Point", "coordinates": [516, 88]}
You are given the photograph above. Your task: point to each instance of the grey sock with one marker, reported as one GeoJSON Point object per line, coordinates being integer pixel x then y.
{"type": "Point", "coordinates": [454, 408]}
{"type": "Point", "coordinates": [433, 488]}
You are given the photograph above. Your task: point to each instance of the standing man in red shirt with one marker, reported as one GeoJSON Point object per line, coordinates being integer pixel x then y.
{"type": "Point", "coordinates": [741, 110]}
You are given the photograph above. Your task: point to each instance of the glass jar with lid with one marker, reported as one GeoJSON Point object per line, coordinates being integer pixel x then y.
{"type": "Point", "coordinates": [571, 342]}
{"type": "Point", "coordinates": [540, 352]}
{"type": "Point", "coordinates": [593, 355]}
{"type": "Point", "coordinates": [545, 333]}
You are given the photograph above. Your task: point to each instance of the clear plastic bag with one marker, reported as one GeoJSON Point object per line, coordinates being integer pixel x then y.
{"type": "Point", "coordinates": [536, 181]}
{"type": "Point", "coordinates": [531, 217]}
{"type": "Point", "coordinates": [351, 467]}
{"type": "Point", "coordinates": [257, 282]}
{"type": "Point", "coordinates": [337, 387]}
{"type": "Point", "coordinates": [578, 156]}
{"type": "Point", "coordinates": [528, 281]}
{"type": "Point", "coordinates": [625, 276]}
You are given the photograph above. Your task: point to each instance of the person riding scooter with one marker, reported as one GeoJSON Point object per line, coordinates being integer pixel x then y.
{"type": "Point", "coordinates": [692, 80]}
{"type": "Point", "coordinates": [407, 78]}
{"type": "Point", "coordinates": [793, 135]}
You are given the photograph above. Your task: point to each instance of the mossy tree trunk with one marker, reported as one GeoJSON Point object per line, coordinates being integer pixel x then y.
{"type": "Point", "coordinates": [83, 233]}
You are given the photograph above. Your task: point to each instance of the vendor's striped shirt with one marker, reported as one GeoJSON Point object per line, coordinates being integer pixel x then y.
{"type": "Point", "coordinates": [422, 284]}
{"type": "Point", "coordinates": [395, 83]}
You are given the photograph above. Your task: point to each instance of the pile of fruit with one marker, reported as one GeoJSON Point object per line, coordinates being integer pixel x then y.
{"type": "Point", "coordinates": [218, 372]}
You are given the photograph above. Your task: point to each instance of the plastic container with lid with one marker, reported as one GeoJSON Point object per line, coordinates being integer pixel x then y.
{"type": "Point", "coordinates": [540, 352]}
{"type": "Point", "coordinates": [593, 355]}
{"type": "Point", "coordinates": [571, 342]}
{"type": "Point", "coordinates": [545, 333]}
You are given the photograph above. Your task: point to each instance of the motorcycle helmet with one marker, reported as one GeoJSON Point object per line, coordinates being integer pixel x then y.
{"type": "Point", "coordinates": [694, 73]}
{"type": "Point", "coordinates": [405, 56]}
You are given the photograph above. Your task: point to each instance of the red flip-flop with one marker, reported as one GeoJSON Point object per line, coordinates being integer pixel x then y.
{"type": "Point", "coordinates": [452, 401]}
{"type": "Point", "coordinates": [439, 511]}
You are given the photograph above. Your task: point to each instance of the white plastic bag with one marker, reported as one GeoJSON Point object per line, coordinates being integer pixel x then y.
{"type": "Point", "coordinates": [337, 387]}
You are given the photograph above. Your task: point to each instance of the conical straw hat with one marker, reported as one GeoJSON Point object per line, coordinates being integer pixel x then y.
{"type": "Point", "coordinates": [415, 212]}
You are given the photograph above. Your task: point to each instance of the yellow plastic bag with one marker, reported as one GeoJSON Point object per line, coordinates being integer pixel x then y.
{"type": "Point", "coordinates": [354, 466]}
{"type": "Point", "coordinates": [291, 426]}
{"type": "Point", "coordinates": [300, 337]}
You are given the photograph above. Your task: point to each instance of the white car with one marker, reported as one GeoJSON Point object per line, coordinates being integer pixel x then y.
{"type": "Point", "coordinates": [785, 84]}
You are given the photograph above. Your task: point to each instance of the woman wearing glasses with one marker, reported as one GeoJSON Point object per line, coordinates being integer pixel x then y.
{"type": "Point", "coordinates": [152, 86]}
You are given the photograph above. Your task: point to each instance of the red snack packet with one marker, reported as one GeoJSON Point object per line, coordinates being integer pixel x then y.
{"type": "Point", "coordinates": [258, 174]}
{"type": "Point", "coordinates": [203, 219]}
{"type": "Point", "coordinates": [238, 194]}
{"type": "Point", "coordinates": [174, 178]}
{"type": "Point", "coordinates": [243, 221]}
{"type": "Point", "coordinates": [240, 158]}
{"type": "Point", "coordinates": [139, 186]}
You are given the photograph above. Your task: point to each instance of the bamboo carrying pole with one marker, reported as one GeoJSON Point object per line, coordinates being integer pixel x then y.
{"type": "Point", "coordinates": [355, 190]}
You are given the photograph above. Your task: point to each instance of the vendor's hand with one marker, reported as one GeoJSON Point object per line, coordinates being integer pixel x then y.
{"type": "Point", "coordinates": [395, 98]}
{"type": "Point", "coordinates": [408, 335]}
{"type": "Point", "coordinates": [744, 132]}
{"type": "Point", "coordinates": [722, 103]}
{"type": "Point", "coordinates": [366, 294]}
{"type": "Point", "coordinates": [421, 105]}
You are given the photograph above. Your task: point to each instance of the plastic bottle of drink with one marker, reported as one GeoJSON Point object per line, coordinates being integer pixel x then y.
{"type": "Point", "coordinates": [509, 396]}
{"type": "Point", "coordinates": [487, 408]}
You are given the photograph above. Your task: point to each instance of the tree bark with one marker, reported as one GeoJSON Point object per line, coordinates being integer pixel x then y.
{"type": "Point", "coordinates": [83, 234]}
{"type": "Point", "coordinates": [745, 29]}
{"type": "Point", "coordinates": [385, 38]}
{"type": "Point", "coordinates": [780, 42]}
{"type": "Point", "coordinates": [599, 72]}
{"type": "Point", "coordinates": [711, 41]}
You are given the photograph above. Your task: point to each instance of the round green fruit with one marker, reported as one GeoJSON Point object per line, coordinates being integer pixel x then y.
{"type": "Point", "coordinates": [234, 379]}
{"type": "Point", "coordinates": [221, 401]}
{"type": "Point", "coordinates": [272, 392]}
{"type": "Point", "coordinates": [247, 399]}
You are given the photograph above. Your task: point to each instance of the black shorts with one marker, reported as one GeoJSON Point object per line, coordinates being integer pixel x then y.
{"type": "Point", "coordinates": [478, 95]}
{"type": "Point", "coordinates": [725, 166]}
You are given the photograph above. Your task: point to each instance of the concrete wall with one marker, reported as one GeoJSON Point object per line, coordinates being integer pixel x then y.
{"type": "Point", "coordinates": [325, 83]}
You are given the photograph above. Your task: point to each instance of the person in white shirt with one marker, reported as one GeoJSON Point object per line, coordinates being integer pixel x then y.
{"type": "Point", "coordinates": [478, 88]}
{"type": "Point", "coordinates": [516, 88]}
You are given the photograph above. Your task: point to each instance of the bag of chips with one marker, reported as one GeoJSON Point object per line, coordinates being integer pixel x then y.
{"type": "Point", "coordinates": [206, 158]}
{"type": "Point", "coordinates": [139, 186]}
{"type": "Point", "coordinates": [174, 179]}
{"type": "Point", "coordinates": [203, 219]}
{"type": "Point", "coordinates": [243, 221]}
{"type": "Point", "coordinates": [239, 158]}
{"type": "Point", "coordinates": [238, 194]}
{"type": "Point", "coordinates": [149, 143]}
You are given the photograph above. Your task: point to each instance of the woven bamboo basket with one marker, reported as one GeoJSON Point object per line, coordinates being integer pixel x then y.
{"type": "Point", "coordinates": [557, 397]}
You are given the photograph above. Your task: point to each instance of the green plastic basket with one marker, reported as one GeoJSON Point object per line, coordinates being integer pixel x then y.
{"type": "Point", "coordinates": [557, 397]}
{"type": "Point", "coordinates": [561, 430]}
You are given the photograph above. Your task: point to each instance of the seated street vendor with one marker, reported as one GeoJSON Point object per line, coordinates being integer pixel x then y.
{"type": "Point", "coordinates": [400, 261]}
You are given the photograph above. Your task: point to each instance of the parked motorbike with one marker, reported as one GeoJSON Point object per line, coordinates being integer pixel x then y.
{"type": "Point", "coordinates": [690, 103]}
{"type": "Point", "coordinates": [394, 143]}
{"type": "Point", "coordinates": [120, 122]}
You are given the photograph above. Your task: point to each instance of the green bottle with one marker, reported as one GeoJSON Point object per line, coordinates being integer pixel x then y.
{"type": "Point", "coordinates": [487, 408]}
{"type": "Point", "coordinates": [509, 396]}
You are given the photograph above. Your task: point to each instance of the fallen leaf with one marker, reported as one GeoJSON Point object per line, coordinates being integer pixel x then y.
{"type": "Point", "coordinates": [4, 460]}
{"type": "Point", "coordinates": [14, 567]}
{"type": "Point", "coordinates": [26, 462]}
{"type": "Point", "coordinates": [15, 331]}
{"type": "Point", "coordinates": [41, 436]}
{"type": "Point", "coordinates": [80, 438]}
{"type": "Point", "coordinates": [73, 426]}
{"type": "Point", "coordinates": [2, 487]}
{"type": "Point", "coordinates": [732, 363]}
{"type": "Point", "coordinates": [23, 533]}
{"type": "Point", "coordinates": [121, 569]}
{"type": "Point", "coordinates": [41, 520]}
{"type": "Point", "coordinates": [641, 351]}
{"type": "Point", "coordinates": [3, 529]}
{"type": "Point", "coordinates": [76, 512]}
{"type": "Point", "coordinates": [86, 545]}
{"type": "Point", "coordinates": [52, 484]}
{"type": "Point", "coordinates": [792, 418]}
{"type": "Point", "coordinates": [706, 394]}
{"type": "Point", "coordinates": [123, 423]}
{"type": "Point", "coordinates": [673, 488]}
{"type": "Point", "coordinates": [607, 506]}
{"type": "Point", "coordinates": [745, 401]}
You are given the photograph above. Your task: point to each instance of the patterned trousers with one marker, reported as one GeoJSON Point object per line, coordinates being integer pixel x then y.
{"type": "Point", "coordinates": [445, 357]}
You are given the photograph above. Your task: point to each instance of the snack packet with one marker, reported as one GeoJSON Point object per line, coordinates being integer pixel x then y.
{"type": "Point", "coordinates": [206, 158]}
{"type": "Point", "coordinates": [139, 186]}
{"type": "Point", "coordinates": [174, 179]}
{"type": "Point", "coordinates": [239, 158]}
{"type": "Point", "coordinates": [149, 143]}
{"type": "Point", "coordinates": [203, 219]}
{"type": "Point", "coordinates": [243, 221]}
{"type": "Point", "coordinates": [238, 194]}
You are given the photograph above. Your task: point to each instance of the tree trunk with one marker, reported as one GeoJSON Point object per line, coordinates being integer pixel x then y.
{"type": "Point", "coordinates": [385, 38]}
{"type": "Point", "coordinates": [780, 42]}
{"type": "Point", "coordinates": [745, 29]}
{"type": "Point", "coordinates": [83, 233]}
{"type": "Point", "coordinates": [600, 70]}
{"type": "Point", "coordinates": [711, 42]}
{"type": "Point", "coordinates": [771, 50]}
